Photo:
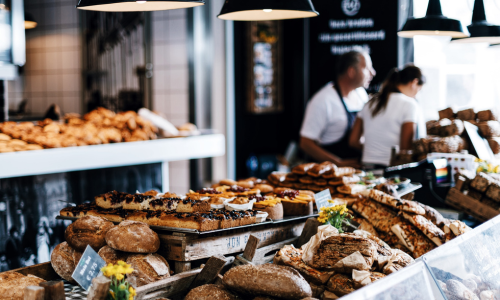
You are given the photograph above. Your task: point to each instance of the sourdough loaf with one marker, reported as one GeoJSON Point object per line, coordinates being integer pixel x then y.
{"type": "Point", "coordinates": [112, 256]}
{"type": "Point", "coordinates": [12, 285]}
{"type": "Point", "coordinates": [64, 260]}
{"type": "Point", "coordinates": [270, 280]}
{"type": "Point", "coordinates": [210, 292]}
{"type": "Point", "coordinates": [147, 269]}
{"type": "Point", "coordinates": [88, 230]}
{"type": "Point", "coordinates": [132, 236]}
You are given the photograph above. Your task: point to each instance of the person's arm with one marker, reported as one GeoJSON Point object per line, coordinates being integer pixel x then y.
{"type": "Point", "coordinates": [356, 134]}
{"type": "Point", "coordinates": [319, 154]}
{"type": "Point", "coordinates": [407, 133]}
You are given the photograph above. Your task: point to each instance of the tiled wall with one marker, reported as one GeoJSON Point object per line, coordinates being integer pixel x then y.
{"type": "Point", "coordinates": [52, 73]}
{"type": "Point", "coordinates": [170, 80]}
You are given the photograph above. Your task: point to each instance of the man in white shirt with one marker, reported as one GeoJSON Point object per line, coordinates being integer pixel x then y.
{"type": "Point", "coordinates": [331, 112]}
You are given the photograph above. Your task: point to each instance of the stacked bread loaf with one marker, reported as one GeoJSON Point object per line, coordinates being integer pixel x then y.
{"type": "Point", "coordinates": [100, 126]}
{"type": "Point", "coordinates": [486, 189]}
{"type": "Point", "coordinates": [130, 241]}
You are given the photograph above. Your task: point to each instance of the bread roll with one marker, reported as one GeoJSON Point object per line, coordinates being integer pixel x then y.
{"type": "Point", "coordinates": [89, 230]}
{"type": "Point", "coordinates": [133, 236]}
{"type": "Point", "coordinates": [494, 144]}
{"type": "Point", "coordinates": [64, 260]}
{"type": "Point", "coordinates": [112, 256]}
{"type": "Point", "coordinates": [210, 292]}
{"type": "Point", "coordinates": [12, 285]}
{"type": "Point", "coordinates": [466, 114]}
{"type": "Point", "coordinates": [271, 280]}
{"type": "Point", "coordinates": [147, 268]}
{"type": "Point", "coordinates": [486, 115]}
{"type": "Point", "coordinates": [446, 113]}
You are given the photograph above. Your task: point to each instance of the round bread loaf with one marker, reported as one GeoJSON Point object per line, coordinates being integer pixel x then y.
{"type": "Point", "coordinates": [89, 230]}
{"type": "Point", "coordinates": [112, 256]}
{"type": "Point", "coordinates": [133, 236]}
{"type": "Point", "coordinates": [210, 292]}
{"type": "Point", "coordinates": [147, 268]}
{"type": "Point", "coordinates": [64, 260]}
{"type": "Point", "coordinates": [272, 280]}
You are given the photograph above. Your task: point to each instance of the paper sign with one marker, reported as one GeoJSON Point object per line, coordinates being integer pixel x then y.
{"type": "Point", "coordinates": [88, 268]}
{"type": "Point", "coordinates": [322, 198]}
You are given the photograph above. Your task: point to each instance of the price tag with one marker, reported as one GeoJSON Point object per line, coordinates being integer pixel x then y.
{"type": "Point", "coordinates": [88, 268]}
{"type": "Point", "coordinates": [322, 198]}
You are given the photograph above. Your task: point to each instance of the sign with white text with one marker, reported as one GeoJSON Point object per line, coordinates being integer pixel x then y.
{"type": "Point", "coordinates": [88, 268]}
{"type": "Point", "coordinates": [322, 198]}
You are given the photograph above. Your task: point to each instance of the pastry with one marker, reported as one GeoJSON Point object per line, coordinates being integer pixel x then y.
{"type": "Point", "coordinates": [494, 143]}
{"type": "Point", "coordinates": [137, 201]}
{"type": "Point", "coordinates": [306, 179]}
{"type": "Point", "coordinates": [228, 182]}
{"type": "Point", "coordinates": [88, 230]}
{"type": "Point", "coordinates": [319, 169]}
{"type": "Point", "coordinates": [291, 177]}
{"type": "Point", "coordinates": [434, 216]}
{"type": "Point", "coordinates": [434, 233]}
{"type": "Point", "coordinates": [270, 205]}
{"type": "Point", "coordinates": [303, 168]}
{"type": "Point", "coordinates": [295, 204]}
{"type": "Point", "coordinates": [351, 189]}
{"type": "Point", "coordinates": [148, 268]}
{"type": "Point", "coordinates": [412, 239]}
{"type": "Point", "coordinates": [133, 236]}
{"type": "Point", "coordinates": [112, 199]}
{"type": "Point", "coordinates": [486, 115]}
{"type": "Point", "coordinates": [164, 204]}
{"type": "Point", "coordinates": [340, 285]}
{"type": "Point", "coordinates": [489, 129]}
{"type": "Point", "coordinates": [276, 177]}
{"type": "Point", "coordinates": [447, 113]}
{"type": "Point", "coordinates": [466, 114]}
{"type": "Point", "coordinates": [493, 191]}
{"type": "Point", "coordinates": [189, 206]}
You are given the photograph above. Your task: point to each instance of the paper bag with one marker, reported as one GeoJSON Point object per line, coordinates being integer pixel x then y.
{"type": "Point", "coordinates": [361, 278]}
{"type": "Point", "coordinates": [355, 261]}
{"type": "Point", "coordinates": [312, 246]}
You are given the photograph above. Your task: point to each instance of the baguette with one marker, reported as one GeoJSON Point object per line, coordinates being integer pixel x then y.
{"type": "Point", "coordinates": [272, 280]}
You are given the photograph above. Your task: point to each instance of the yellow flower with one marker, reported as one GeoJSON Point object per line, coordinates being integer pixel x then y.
{"type": "Point", "coordinates": [112, 294]}
{"type": "Point", "coordinates": [119, 276]}
{"type": "Point", "coordinates": [132, 291]}
{"type": "Point", "coordinates": [331, 201]}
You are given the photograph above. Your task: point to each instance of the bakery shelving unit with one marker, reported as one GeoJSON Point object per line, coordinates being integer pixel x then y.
{"type": "Point", "coordinates": [48, 161]}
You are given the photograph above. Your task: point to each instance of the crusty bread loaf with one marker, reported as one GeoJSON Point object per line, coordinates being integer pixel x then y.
{"type": "Point", "coordinates": [489, 129]}
{"type": "Point", "coordinates": [88, 230]}
{"type": "Point", "coordinates": [147, 269]}
{"type": "Point", "coordinates": [455, 128]}
{"type": "Point", "coordinates": [210, 292]}
{"type": "Point", "coordinates": [272, 280]}
{"type": "Point", "coordinates": [446, 113]}
{"type": "Point", "coordinates": [481, 182]}
{"type": "Point", "coordinates": [12, 285]}
{"type": "Point", "coordinates": [64, 260]}
{"type": "Point", "coordinates": [112, 256]}
{"type": "Point", "coordinates": [494, 144]}
{"type": "Point", "coordinates": [466, 114]}
{"type": "Point", "coordinates": [486, 115]}
{"type": "Point", "coordinates": [133, 236]}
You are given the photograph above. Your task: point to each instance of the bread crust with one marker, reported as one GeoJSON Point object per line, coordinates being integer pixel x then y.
{"type": "Point", "coordinates": [88, 230]}
{"type": "Point", "coordinates": [63, 261]}
{"type": "Point", "coordinates": [272, 280]}
{"type": "Point", "coordinates": [112, 256]}
{"type": "Point", "coordinates": [210, 292]}
{"type": "Point", "coordinates": [12, 285]}
{"type": "Point", "coordinates": [133, 236]}
{"type": "Point", "coordinates": [146, 269]}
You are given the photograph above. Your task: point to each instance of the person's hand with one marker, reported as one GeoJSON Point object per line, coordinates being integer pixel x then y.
{"type": "Point", "coordinates": [355, 163]}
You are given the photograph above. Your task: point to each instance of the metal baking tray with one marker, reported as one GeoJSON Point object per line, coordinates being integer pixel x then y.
{"type": "Point", "coordinates": [186, 230]}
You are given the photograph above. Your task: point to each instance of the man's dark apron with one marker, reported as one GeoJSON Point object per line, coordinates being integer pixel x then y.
{"type": "Point", "coordinates": [341, 148]}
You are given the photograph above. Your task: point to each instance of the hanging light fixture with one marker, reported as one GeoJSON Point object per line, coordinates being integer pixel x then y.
{"type": "Point", "coordinates": [480, 30]}
{"type": "Point", "coordinates": [29, 21]}
{"type": "Point", "coordinates": [260, 10]}
{"type": "Point", "coordinates": [434, 23]}
{"type": "Point", "coordinates": [136, 5]}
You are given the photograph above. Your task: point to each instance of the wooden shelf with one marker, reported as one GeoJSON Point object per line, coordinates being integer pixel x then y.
{"type": "Point", "coordinates": [70, 159]}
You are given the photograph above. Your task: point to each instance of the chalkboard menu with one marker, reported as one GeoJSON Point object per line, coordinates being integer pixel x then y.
{"type": "Point", "coordinates": [344, 24]}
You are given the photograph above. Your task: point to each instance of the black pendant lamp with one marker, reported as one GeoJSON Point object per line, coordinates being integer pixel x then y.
{"type": "Point", "coordinates": [434, 23]}
{"type": "Point", "coordinates": [29, 21]}
{"type": "Point", "coordinates": [480, 30]}
{"type": "Point", "coordinates": [136, 5]}
{"type": "Point", "coordinates": [260, 10]}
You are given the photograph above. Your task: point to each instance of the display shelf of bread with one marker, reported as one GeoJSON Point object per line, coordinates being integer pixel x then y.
{"type": "Point", "coordinates": [479, 197]}
{"type": "Point", "coordinates": [100, 126]}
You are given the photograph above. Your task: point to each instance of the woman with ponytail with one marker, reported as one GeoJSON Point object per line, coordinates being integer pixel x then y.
{"type": "Point", "coordinates": [390, 118]}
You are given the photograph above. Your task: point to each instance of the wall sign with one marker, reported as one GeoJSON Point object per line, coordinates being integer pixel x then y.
{"type": "Point", "coordinates": [344, 24]}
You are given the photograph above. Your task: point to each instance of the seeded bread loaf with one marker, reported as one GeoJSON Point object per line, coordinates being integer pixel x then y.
{"type": "Point", "coordinates": [147, 269]}
{"type": "Point", "coordinates": [64, 260]}
{"type": "Point", "coordinates": [210, 292]}
{"type": "Point", "coordinates": [271, 280]}
{"type": "Point", "coordinates": [88, 230]}
{"type": "Point", "coordinates": [133, 236]}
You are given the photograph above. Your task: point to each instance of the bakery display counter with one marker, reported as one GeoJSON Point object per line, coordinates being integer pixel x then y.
{"type": "Point", "coordinates": [47, 161]}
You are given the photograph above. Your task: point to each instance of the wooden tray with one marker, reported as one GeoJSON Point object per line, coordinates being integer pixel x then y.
{"type": "Point", "coordinates": [470, 205]}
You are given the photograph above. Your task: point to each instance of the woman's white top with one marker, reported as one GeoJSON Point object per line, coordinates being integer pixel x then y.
{"type": "Point", "coordinates": [383, 131]}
